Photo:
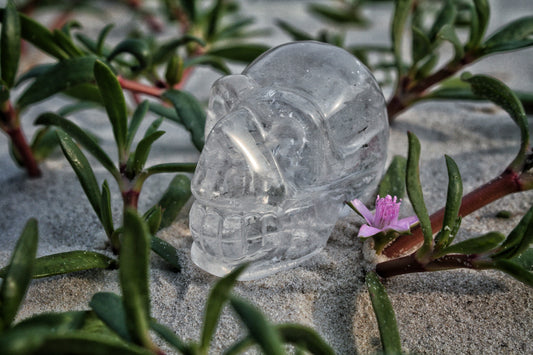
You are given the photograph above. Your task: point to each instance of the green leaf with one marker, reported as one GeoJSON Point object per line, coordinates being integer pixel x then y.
{"type": "Point", "coordinates": [260, 329]}
{"type": "Point", "coordinates": [84, 139]}
{"type": "Point", "coordinates": [77, 107]}
{"type": "Point", "coordinates": [154, 126]}
{"type": "Point", "coordinates": [388, 329]}
{"type": "Point", "coordinates": [519, 239]}
{"type": "Point", "coordinates": [339, 15]}
{"type": "Point", "coordinates": [138, 116]}
{"type": "Point", "coordinates": [244, 53]}
{"type": "Point", "coordinates": [304, 337]}
{"type": "Point", "coordinates": [402, 9]}
{"type": "Point", "coordinates": [295, 33]}
{"type": "Point", "coordinates": [166, 251]}
{"type": "Point", "coordinates": [190, 9]}
{"type": "Point", "coordinates": [497, 92]}
{"type": "Point", "coordinates": [87, 344]}
{"type": "Point", "coordinates": [115, 105]}
{"type": "Point", "coordinates": [236, 29]}
{"type": "Point", "coordinates": [83, 170]}
{"type": "Point", "coordinates": [191, 114]}
{"type": "Point", "coordinates": [445, 17]}
{"type": "Point", "coordinates": [85, 92]}
{"type": "Point", "coordinates": [10, 44]}
{"type": "Point", "coordinates": [170, 168]}
{"type": "Point", "coordinates": [99, 50]}
{"type": "Point", "coordinates": [453, 203]}
{"type": "Point", "coordinates": [138, 48]}
{"type": "Point", "coordinates": [213, 19]}
{"type": "Point", "coordinates": [515, 35]}
{"type": "Point", "coordinates": [66, 43]}
{"type": "Point", "coordinates": [393, 182]}
{"type": "Point", "coordinates": [174, 198]}
{"type": "Point", "coordinates": [214, 62]}
{"type": "Point", "coordinates": [143, 149]}
{"type": "Point", "coordinates": [218, 296]}
{"type": "Point", "coordinates": [44, 143]}
{"type": "Point", "coordinates": [110, 309]}
{"type": "Point", "coordinates": [476, 245]}
{"type": "Point", "coordinates": [447, 33]}
{"type": "Point", "coordinates": [62, 76]}
{"type": "Point", "coordinates": [105, 210]}
{"type": "Point", "coordinates": [515, 271]}
{"type": "Point", "coordinates": [55, 322]}
{"type": "Point", "coordinates": [134, 277]}
{"type": "Point", "coordinates": [18, 274]}
{"type": "Point", "coordinates": [174, 70]}
{"type": "Point", "coordinates": [40, 37]}
{"type": "Point", "coordinates": [414, 191]}
{"type": "Point", "coordinates": [170, 337]}
{"type": "Point", "coordinates": [67, 262]}
{"type": "Point", "coordinates": [152, 217]}
{"type": "Point", "coordinates": [421, 45]}
{"type": "Point", "coordinates": [480, 18]}
{"type": "Point", "coordinates": [34, 72]}
{"type": "Point", "coordinates": [525, 259]}
{"type": "Point", "coordinates": [168, 49]}
{"type": "Point", "coordinates": [164, 111]}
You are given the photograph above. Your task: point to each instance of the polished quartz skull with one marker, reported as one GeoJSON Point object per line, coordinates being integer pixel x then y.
{"type": "Point", "coordinates": [302, 129]}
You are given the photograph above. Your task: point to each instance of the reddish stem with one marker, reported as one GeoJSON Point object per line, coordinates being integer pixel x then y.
{"type": "Point", "coordinates": [505, 184]}
{"type": "Point", "coordinates": [10, 124]}
{"type": "Point", "coordinates": [139, 88]}
{"type": "Point", "coordinates": [130, 198]}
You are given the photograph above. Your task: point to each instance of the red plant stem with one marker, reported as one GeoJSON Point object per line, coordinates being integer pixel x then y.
{"type": "Point", "coordinates": [409, 264]}
{"type": "Point", "coordinates": [10, 124]}
{"type": "Point", "coordinates": [130, 198]}
{"type": "Point", "coordinates": [505, 184]}
{"type": "Point", "coordinates": [139, 88]}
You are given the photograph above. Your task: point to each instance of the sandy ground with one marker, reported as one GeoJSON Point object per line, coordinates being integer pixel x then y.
{"type": "Point", "coordinates": [453, 312]}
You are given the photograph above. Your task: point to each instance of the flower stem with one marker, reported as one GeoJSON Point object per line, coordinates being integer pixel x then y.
{"type": "Point", "coordinates": [506, 183]}
{"type": "Point", "coordinates": [130, 198]}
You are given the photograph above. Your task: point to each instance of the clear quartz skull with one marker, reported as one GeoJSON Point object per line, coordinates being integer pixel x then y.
{"type": "Point", "coordinates": [301, 130]}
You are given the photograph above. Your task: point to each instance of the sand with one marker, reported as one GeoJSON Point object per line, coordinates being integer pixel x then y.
{"type": "Point", "coordinates": [452, 312]}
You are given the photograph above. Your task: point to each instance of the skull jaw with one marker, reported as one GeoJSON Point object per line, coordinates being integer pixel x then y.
{"type": "Point", "coordinates": [270, 242]}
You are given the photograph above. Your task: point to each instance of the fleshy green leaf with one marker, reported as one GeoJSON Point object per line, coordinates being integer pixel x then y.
{"type": "Point", "coordinates": [84, 139]}
{"type": "Point", "coordinates": [174, 198]}
{"type": "Point", "coordinates": [143, 149]}
{"type": "Point", "coordinates": [110, 309]}
{"type": "Point", "coordinates": [414, 191]}
{"type": "Point", "coordinates": [85, 92]}
{"type": "Point", "coordinates": [152, 217]}
{"type": "Point", "coordinates": [453, 203]}
{"type": "Point", "coordinates": [339, 15]}
{"type": "Point", "coordinates": [134, 277]}
{"type": "Point", "coordinates": [138, 48]}
{"type": "Point", "coordinates": [170, 337]}
{"type": "Point", "coordinates": [174, 70]}
{"type": "Point", "coordinates": [244, 53]}
{"type": "Point", "coordinates": [421, 45]}
{"type": "Point", "coordinates": [88, 344]}
{"type": "Point", "coordinates": [497, 92]}
{"type": "Point", "coordinates": [18, 274]}
{"type": "Point", "coordinates": [304, 337]}
{"type": "Point", "coordinates": [166, 251]}
{"type": "Point", "coordinates": [154, 126]}
{"type": "Point", "coordinates": [401, 12]}
{"type": "Point", "coordinates": [83, 170]}
{"type": "Point", "coordinates": [515, 35]}
{"type": "Point", "coordinates": [10, 44]}
{"type": "Point", "coordinates": [260, 329]}
{"type": "Point", "coordinates": [213, 19]}
{"type": "Point", "coordinates": [445, 17]}
{"type": "Point", "coordinates": [393, 182]}
{"type": "Point", "coordinates": [214, 62]}
{"type": "Point", "coordinates": [66, 43]}
{"type": "Point", "coordinates": [164, 111]}
{"type": "Point", "coordinates": [388, 329]}
{"type": "Point", "coordinates": [519, 239]}
{"type": "Point", "coordinates": [99, 49]}
{"type": "Point", "coordinates": [166, 50]}
{"type": "Point", "coordinates": [115, 104]}
{"type": "Point", "coordinates": [67, 262]}
{"type": "Point", "coordinates": [479, 22]}
{"type": "Point", "coordinates": [62, 76]}
{"type": "Point", "coordinates": [105, 210]}
{"type": "Point", "coordinates": [138, 116]}
{"type": "Point", "coordinates": [40, 37]}
{"type": "Point", "coordinates": [476, 245]}
{"type": "Point", "coordinates": [55, 322]}
{"type": "Point", "coordinates": [44, 143]}
{"type": "Point", "coordinates": [190, 9]}
{"type": "Point", "coordinates": [525, 259]}
{"type": "Point", "coordinates": [515, 271]}
{"type": "Point", "coordinates": [191, 114]}
{"type": "Point", "coordinates": [295, 33]}
{"type": "Point", "coordinates": [447, 33]}
{"type": "Point", "coordinates": [218, 296]}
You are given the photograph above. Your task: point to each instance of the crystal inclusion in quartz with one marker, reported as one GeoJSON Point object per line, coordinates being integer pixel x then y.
{"type": "Point", "coordinates": [301, 130]}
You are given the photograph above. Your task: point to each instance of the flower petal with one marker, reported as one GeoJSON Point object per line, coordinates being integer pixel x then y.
{"type": "Point", "coordinates": [365, 212]}
{"type": "Point", "coordinates": [367, 231]}
{"type": "Point", "coordinates": [403, 225]}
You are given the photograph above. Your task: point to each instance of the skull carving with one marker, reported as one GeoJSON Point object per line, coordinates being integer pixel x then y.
{"type": "Point", "coordinates": [302, 129]}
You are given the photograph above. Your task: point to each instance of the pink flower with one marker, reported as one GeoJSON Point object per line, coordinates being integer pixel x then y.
{"type": "Point", "coordinates": [385, 218]}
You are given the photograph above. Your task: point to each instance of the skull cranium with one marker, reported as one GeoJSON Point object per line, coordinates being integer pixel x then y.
{"type": "Point", "coordinates": [303, 128]}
